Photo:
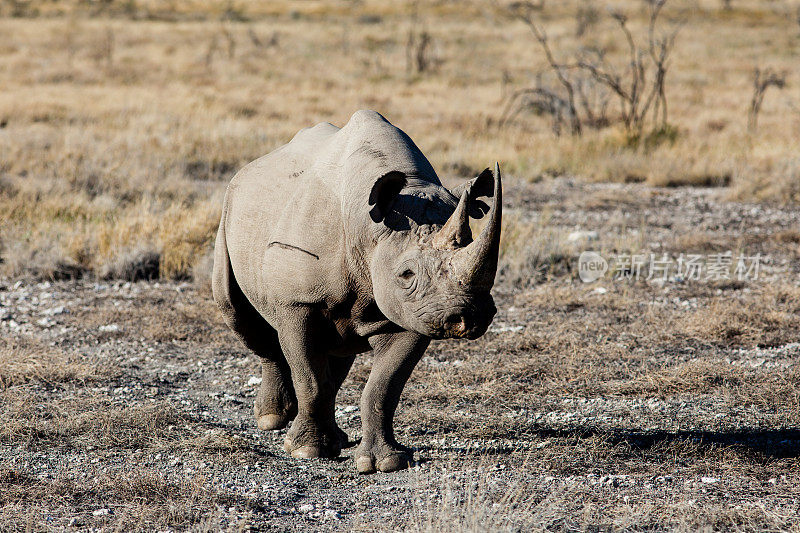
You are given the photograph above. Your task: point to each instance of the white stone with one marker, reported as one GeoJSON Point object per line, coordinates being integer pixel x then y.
{"type": "Point", "coordinates": [503, 329]}
{"type": "Point", "coordinates": [576, 236]}
{"type": "Point", "coordinates": [253, 381]}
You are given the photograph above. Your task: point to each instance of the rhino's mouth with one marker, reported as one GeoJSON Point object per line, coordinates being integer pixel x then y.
{"type": "Point", "coordinates": [468, 321]}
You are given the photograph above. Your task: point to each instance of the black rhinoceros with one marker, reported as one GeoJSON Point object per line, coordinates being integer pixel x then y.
{"type": "Point", "coordinates": [340, 242]}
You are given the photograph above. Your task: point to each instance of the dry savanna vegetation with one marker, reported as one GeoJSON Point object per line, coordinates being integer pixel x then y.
{"type": "Point", "coordinates": [624, 127]}
{"type": "Point", "coordinates": [123, 120]}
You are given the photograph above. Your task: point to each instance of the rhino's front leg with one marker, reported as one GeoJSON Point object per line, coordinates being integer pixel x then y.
{"type": "Point", "coordinates": [396, 355]}
{"type": "Point", "coordinates": [314, 432]}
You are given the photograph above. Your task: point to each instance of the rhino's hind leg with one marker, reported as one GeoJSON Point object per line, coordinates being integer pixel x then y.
{"type": "Point", "coordinates": [275, 404]}
{"type": "Point", "coordinates": [395, 358]}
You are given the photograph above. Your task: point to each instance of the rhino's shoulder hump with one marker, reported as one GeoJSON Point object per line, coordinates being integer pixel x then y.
{"type": "Point", "coordinates": [315, 134]}
{"type": "Point", "coordinates": [366, 116]}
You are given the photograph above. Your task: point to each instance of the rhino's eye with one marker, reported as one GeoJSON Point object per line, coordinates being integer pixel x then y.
{"type": "Point", "coordinates": [406, 274]}
{"type": "Point", "coordinates": [406, 277]}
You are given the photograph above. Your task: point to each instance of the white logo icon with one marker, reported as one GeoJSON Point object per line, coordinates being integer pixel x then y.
{"type": "Point", "coordinates": [591, 266]}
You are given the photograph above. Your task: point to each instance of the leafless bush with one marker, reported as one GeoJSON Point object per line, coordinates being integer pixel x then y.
{"type": "Point", "coordinates": [762, 80]}
{"type": "Point", "coordinates": [258, 42]}
{"type": "Point", "coordinates": [215, 47]}
{"type": "Point", "coordinates": [640, 88]}
{"type": "Point", "coordinates": [544, 98]}
{"type": "Point", "coordinates": [419, 47]}
{"type": "Point", "coordinates": [586, 17]}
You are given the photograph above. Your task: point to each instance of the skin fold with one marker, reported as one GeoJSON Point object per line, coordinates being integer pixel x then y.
{"type": "Point", "coordinates": [343, 241]}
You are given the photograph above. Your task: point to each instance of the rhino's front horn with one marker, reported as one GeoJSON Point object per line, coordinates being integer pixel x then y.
{"type": "Point", "coordinates": [455, 233]}
{"type": "Point", "coordinates": [476, 264]}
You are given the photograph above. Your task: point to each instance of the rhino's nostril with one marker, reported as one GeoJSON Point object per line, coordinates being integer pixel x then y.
{"type": "Point", "coordinates": [455, 321]}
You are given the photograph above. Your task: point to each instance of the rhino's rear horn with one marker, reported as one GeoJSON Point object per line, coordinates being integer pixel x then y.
{"type": "Point", "coordinates": [476, 264]}
{"type": "Point", "coordinates": [455, 233]}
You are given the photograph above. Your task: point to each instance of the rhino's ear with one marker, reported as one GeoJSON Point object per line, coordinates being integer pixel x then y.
{"type": "Point", "coordinates": [477, 188]}
{"type": "Point", "coordinates": [384, 193]}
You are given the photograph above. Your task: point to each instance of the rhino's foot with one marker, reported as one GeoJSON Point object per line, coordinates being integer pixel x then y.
{"type": "Point", "coordinates": [307, 440]}
{"type": "Point", "coordinates": [271, 421]}
{"type": "Point", "coordinates": [383, 458]}
{"type": "Point", "coordinates": [274, 414]}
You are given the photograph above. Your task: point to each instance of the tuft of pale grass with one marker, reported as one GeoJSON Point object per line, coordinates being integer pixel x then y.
{"type": "Point", "coordinates": [87, 421]}
{"type": "Point", "coordinates": [769, 319]}
{"type": "Point", "coordinates": [475, 500]}
{"type": "Point", "coordinates": [504, 497]}
{"type": "Point", "coordinates": [24, 360]}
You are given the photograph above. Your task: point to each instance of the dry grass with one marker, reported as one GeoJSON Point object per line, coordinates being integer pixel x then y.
{"type": "Point", "coordinates": [119, 132]}
{"type": "Point", "coordinates": [88, 421]}
{"type": "Point", "coordinates": [140, 500]}
{"type": "Point", "coordinates": [604, 411]}
{"type": "Point", "coordinates": [489, 498]}
{"type": "Point", "coordinates": [25, 360]}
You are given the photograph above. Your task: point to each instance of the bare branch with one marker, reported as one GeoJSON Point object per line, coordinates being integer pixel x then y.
{"type": "Point", "coordinates": [762, 80]}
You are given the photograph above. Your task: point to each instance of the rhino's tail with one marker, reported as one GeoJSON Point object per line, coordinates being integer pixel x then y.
{"type": "Point", "coordinates": [238, 312]}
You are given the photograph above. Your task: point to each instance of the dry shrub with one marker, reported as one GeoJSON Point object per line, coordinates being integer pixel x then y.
{"type": "Point", "coordinates": [769, 318]}
{"type": "Point", "coordinates": [24, 360]}
{"type": "Point", "coordinates": [135, 265]}
{"type": "Point", "coordinates": [777, 183]}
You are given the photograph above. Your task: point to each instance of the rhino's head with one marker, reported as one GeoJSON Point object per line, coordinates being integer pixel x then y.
{"type": "Point", "coordinates": [437, 282]}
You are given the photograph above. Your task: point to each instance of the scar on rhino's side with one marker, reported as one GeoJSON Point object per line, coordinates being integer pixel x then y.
{"type": "Point", "coordinates": [291, 247]}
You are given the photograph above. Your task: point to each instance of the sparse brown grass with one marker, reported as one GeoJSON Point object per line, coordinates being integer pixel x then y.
{"type": "Point", "coordinates": [162, 319]}
{"type": "Point", "coordinates": [594, 385]}
{"type": "Point", "coordinates": [88, 421]}
{"type": "Point", "coordinates": [485, 499]}
{"type": "Point", "coordinates": [143, 499]}
{"type": "Point", "coordinates": [25, 360]}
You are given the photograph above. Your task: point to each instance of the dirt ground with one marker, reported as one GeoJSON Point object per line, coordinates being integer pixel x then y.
{"type": "Point", "coordinates": [616, 404]}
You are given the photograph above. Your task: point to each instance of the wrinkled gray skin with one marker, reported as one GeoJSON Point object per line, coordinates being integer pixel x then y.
{"type": "Point", "coordinates": [342, 241]}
